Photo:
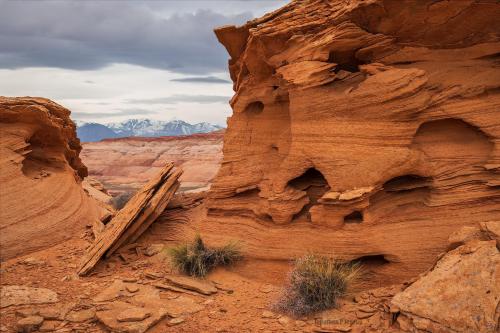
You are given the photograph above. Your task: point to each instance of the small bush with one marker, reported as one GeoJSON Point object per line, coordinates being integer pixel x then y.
{"type": "Point", "coordinates": [315, 284]}
{"type": "Point", "coordinates": [196, 259]}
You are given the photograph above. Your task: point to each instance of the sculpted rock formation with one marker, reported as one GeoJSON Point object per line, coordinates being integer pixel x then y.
{"type": "Point", "coordinates": [367, 130]}
{"type": "Point", "coordinates": [42, 201]}
{"type": "Point", "coordinates": [124, 165]}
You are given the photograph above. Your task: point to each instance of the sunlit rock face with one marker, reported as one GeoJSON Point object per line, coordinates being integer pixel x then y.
{"type": "Point", "coordinates": [366, 130]}
{"type": "Point", "coordinates": [42, 202]}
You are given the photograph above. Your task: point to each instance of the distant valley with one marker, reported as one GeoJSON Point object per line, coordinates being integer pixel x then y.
{"type": "Point", "coordinates": [92, 132]}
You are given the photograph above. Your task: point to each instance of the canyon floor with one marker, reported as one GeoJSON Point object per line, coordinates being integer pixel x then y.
{"type": "Point", "coordinates": [240, 303]}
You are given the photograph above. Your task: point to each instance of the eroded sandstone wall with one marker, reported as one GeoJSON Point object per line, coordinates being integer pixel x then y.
{"type": "Point", "coordinates": [42, 201]}
{"type": "Point", "coordinates": [366, 130]}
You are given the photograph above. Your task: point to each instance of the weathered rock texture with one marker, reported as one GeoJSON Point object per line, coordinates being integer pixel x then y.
{"type": "Point", "coordinates": [461, 293]}
{"type": "Point", "coordinates": [137, 215]}
{"type": "Point", "coordinates": [41, 198]}
{"type": "Point", "coordinates": [365, 129]}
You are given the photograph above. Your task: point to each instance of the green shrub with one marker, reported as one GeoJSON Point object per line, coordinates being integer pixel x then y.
{"type": "Point", "coordinates": [315, 284]}
{"type": "Point", "coordinates": [196, 259]}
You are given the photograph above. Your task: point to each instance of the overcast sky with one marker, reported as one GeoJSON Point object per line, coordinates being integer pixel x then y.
{"type": "Point", "coordinates": [109, 61]}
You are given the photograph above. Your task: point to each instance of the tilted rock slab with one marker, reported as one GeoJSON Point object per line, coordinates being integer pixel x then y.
{"type": "Point", "coordinates": [42, 200]}
{"type": "Point", "coordinates": [460, 294]}
{"type": "Point", "coordinates": [133, 219]}
{"type": "Point", "coordinates": [367, 130]}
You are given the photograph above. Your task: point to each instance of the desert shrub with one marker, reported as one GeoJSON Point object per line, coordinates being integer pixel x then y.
{"type": "Point", "coordinates": [196, 259]}
{"type": "Point", "coordinates": [315, 284]}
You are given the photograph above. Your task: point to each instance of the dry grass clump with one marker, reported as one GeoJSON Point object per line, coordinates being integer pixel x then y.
{"type": "Point", "coordinates": [196, 259]}
{"type": "Point", "coordinates": [315, 284]}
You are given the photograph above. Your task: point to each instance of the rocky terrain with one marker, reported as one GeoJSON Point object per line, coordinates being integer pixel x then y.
{"type": "Point", "coordinates": [125, 164]}
{"type": "Point", "coordinates": [366, 131]}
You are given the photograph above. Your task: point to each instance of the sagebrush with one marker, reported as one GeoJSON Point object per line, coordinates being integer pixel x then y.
{"type": "Point", "coordinates": [315, 284]}
{"type": "Point", "coordinates": [196, 259]}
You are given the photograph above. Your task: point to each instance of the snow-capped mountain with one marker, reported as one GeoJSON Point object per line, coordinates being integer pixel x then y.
{"type": "Point", "coordinates": [143, 127]}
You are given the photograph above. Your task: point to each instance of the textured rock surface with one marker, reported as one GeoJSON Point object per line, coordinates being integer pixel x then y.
{"type": "Point", "coordinates": [42, 201]}
{"type": "Point", "coordinates": [126, 164]}
{"type": "Point", "coordinates": [367, 129]}
{"type": "Point", "coordinates": [460, 294]}
{"type": "Point", "coordinates": [19, 295]}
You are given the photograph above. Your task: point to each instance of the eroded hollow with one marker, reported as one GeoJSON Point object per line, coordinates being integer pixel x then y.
{"type": "Point", "coordinates": [453, 139]}
{"type": "Point", "coordinates": [354, 217]}
{"type": "Point", "coordinates": [254, 108]}
{"type": "Point", "coordinates": [314, 184]}
{"type": "Point", "coordinates": [345, 60]}
{"type": "Point", "coordinates": [372, 261]}
{"type": "Point", "coordinates": [39, 156]}
{"type": "Point", "coordinates": [406, 183]}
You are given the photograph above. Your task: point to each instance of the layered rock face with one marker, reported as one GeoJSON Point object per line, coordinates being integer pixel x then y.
{"type": "Point", "coordinates": [126, 164]}
{"type": "Point", "coordinates": [366, 130]}
{"type": "Point", "coordinates": [42, 201]}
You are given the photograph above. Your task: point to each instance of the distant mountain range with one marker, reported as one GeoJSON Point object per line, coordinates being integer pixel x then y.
{"type": "Point", "coordinates": [91, 132]}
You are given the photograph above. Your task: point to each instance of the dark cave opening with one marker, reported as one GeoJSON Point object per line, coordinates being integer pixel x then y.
{"type": "Point", "coordinates": [254, 108]}
{"type": "Point", "coordinates": [314, 184]}
{"type": "Point", "coordinates": [345, 60]}
{"type": "Point", "coordinates": [371, 261]}
{"type": "Point", "coordinates": [406, 183]}
{"type": "Point", "coordinates": [354, 217]}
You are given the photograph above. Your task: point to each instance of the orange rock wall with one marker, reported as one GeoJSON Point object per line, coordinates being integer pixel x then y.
{"type": "Point", "coordinates": [42, 202]}
{"type": "Point", "coordinates": [364, 130]}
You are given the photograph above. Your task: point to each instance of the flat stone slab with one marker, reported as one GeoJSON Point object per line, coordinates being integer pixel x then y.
{"type": "Point", "coordinates": [23, 295]}
{"type": "Point", "coordinates": [182, 305]}
{"type": "Point", "coordinates": [201, 286]}
{"type": "Point", "coordinates": [80, 316]}
{"type": "Point", "coordinates": [116, 309]}
{"type": "Point", "coordinates": [121, 289]}
{"type": "Point", "coordinates": [134, 314]}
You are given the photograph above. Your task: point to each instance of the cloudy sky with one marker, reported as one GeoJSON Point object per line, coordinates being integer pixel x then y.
{"type": "Point", "coordinates": [111, 60]}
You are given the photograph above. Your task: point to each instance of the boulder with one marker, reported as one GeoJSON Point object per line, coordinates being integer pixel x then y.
{"type": "Point", "coordinates": [460, 293]}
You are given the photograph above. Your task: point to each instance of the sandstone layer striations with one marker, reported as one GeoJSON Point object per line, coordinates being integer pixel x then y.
{"type": "Point", "coordinates": [367, 130]}
{"type": "Point", "coordinates": [126, 164]}
{"type": "Point", "coordinates": [42, 201]}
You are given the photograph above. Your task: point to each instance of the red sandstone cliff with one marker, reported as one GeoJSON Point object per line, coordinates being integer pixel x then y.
{"type": "Point", "coordinates": [42, 201]}
{"type": "Point", "coordinates": [366, 130]}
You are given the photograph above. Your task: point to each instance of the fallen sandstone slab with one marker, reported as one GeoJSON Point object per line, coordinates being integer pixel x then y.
{"type": "Point", "coordinates": [137, 215]}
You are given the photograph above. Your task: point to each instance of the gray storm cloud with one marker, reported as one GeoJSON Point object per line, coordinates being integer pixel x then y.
{"type": "Point", "coordinates": [181, 98]}
{"type": "Point", "coordinates": [86, 35]}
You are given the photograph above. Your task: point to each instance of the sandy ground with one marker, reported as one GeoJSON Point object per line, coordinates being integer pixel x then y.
{"type": "Point", "coordinates": [241, 304]}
